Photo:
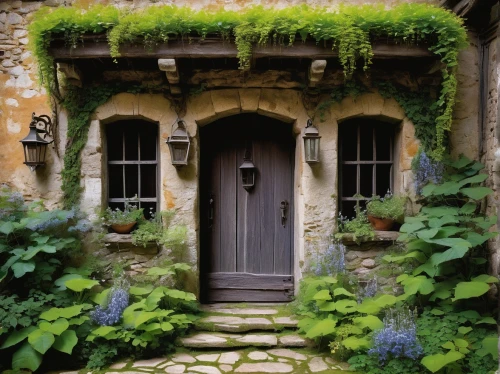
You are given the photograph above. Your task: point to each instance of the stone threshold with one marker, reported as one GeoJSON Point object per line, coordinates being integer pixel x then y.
{"type": "Point", "coordinates": [221, 340]}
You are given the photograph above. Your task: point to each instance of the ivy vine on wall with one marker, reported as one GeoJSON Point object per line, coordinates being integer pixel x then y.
{"type": "Point", "coordinates": [350, 29]}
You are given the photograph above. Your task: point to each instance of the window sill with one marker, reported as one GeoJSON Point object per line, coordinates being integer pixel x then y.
{"type": "Point", "coordinates": [123, 242]}
{"type": "Point", "coordinates": [380, 237]}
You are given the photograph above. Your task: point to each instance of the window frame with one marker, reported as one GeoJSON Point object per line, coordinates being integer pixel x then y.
{"type": "Point", "coordinates": [374, 162]}
{"type": "Point", "coordinates": [139, 162]}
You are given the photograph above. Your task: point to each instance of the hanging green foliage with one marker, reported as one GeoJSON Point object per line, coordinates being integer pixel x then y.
{"type": "Point", "coordinates": [348, 29]}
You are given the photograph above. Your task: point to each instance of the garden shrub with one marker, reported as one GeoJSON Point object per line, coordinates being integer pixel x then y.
{"type": "Point", "coordinates": [47, 304]}
{"type": "Point", "coordinates": [452, 326]}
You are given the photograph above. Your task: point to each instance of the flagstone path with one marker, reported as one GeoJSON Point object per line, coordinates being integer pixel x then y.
{"type": "Point", "coordinates": [237, 338]}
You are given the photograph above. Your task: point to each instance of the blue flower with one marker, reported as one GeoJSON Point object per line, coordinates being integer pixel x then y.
{"type": "Point", "coordinates": [398, 338]}
{"type": "Point", "coordinates": [331, 261]}
{"type": "Point", "coordinates": [111, 314]}
{"type": "Point", "coordinates": [427, 170]}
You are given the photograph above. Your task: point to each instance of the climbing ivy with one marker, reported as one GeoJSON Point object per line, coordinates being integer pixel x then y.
{"type": "Point", "coordinates": [348, 29]}
{"type": "Point", "coordinates": [80, 104]}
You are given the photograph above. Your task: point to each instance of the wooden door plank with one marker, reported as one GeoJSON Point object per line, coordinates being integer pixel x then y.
{"type": "Point", "coordinates": [252, 232]}
{"type": "Point", "coordinates": [249, 281]}
{"type": "Point", "coordinates": [215, 255]}
{"type": "Point", "coordinates": [284, 191]}
{"type": "Point", "coordinates": [241, 215]}
{"type": "Point", "coordinates": [268, 209]}
{"type": "Point", "coordinates": [228, 209]}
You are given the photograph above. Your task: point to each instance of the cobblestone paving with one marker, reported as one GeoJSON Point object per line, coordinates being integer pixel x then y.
{"type": "Point", "coordinates": [279, 360]}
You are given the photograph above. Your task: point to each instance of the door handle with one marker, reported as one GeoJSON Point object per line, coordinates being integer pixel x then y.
{"type": "Point", "coordinates": [284, 212]}
{"type": "Point", "coordinates": [211, 204]}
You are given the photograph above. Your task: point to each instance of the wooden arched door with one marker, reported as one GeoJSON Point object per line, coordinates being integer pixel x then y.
{"type": "Point", "coordinates": [246, 235]}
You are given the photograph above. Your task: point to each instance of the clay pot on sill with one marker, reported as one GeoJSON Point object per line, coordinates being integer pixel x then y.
{"type": "Point", "coordinates": [381, 224]}
{"type": "Point", "coordinates": [123, 228]}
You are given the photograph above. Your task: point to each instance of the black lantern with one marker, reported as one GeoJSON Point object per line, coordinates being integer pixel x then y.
{"type": "Point", "coordinates": [247, 169]}
{"type": "Point", "coordinates": [35, 148]}
{"type": "Point", "coordinates": [311, 143]}
{"type": "Point", "coordinates": [179, 144]}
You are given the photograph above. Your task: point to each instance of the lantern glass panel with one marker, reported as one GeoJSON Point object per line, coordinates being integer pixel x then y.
{"type": "Point", "coordinates": [179, 152]}
{"type": "Point", "coordinates": [312, 149]}
{"type": "Point", "coordinates": [247, 176]}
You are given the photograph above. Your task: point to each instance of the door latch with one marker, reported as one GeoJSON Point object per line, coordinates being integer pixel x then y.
{"type": "Point", "coordinates": [284, 212]}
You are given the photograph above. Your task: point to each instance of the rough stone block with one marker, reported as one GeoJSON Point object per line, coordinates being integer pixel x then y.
{"type": "Point", "coordinates": [371, 104]}
{"type": "Point", "coordinates": [205, 369]}
{"type": "Point", "coordinates": [202, 108]}
{"type": "Point", "coordinates": [249, 99]}
{"type": "Point", "coordinates": [14, 18]}
{"type": "Point", "coordinates": [106, 111]}
{"type": "Point", "coordinates": [126, 104]}
{"type": "Point", "coordinates": [226, 102]}
{"type": "Point", "coordinates": [392, 109]}
{"type": "Point", "coordinates": [279, 104]}
{"type": "Point", "coordinates": [264, 367]}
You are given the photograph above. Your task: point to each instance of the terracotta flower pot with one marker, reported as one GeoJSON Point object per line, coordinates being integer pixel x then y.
{"type": "Point", "coordinates": [123, 228]}
{"type": "Point", "coordinates": [381, 224]}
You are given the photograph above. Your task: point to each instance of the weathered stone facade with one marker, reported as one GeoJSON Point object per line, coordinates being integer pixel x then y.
{"type": "Point", "coordinates": [277, 94]}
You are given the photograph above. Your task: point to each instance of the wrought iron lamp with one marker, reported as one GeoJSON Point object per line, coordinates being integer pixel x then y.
{"type": "Point", "coordinates": [35, 147]}
{"type": "Point", "coordinates": [311, 143]}
{"type": "Point", "coordinates": [179, 144]}
{"type": "Point", "coordinates": [247, 169]}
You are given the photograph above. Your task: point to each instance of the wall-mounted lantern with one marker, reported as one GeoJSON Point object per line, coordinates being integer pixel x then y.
{"type": "Point", "coordinates": [248, 170]}
{"type": "Point", "coordinates": [311, 143]}
{"type": "Point", "coordinates": [35, 148]}
{"type": "Point", "coordinates": [179, 144]}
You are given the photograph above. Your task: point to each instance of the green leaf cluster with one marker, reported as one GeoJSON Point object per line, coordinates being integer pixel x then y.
{"type": "Point", "coordinates": [55, 329]}
{"type": "Point", "coordinates": [392, 207]}
{"type": "Point", "coordinates": [349, 29]}
{"type": "Point", "coordinates": [331, 314]}
{"type": "Point", "coordinates": [155, 316]}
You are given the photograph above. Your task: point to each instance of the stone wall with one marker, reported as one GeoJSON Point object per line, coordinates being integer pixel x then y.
{"type": "Point", "coordinates": [490, 135]}
{"type": "Point", "coordinates": [20, 96]}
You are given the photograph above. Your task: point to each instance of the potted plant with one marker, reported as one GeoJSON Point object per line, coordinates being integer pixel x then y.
{"type": "Point", "coordinates": [382, 212]}
{"type": "Point", "coordinates": [122, 221]}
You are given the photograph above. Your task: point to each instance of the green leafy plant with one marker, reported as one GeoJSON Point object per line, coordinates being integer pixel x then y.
{"type": "Point", "coordinates": [158, 229]}
{"type": "Point", "coordinates": [389, 206]}
{"type": "Point", "coordinates": [359, 227]}
{"type": "Point", "coordinates": [154, 318]}
{"type": "Point", "coordinates": [130, 214]}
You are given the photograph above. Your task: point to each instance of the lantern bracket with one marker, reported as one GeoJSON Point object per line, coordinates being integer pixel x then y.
{"type": "Point", "coordinates": [43, 126]}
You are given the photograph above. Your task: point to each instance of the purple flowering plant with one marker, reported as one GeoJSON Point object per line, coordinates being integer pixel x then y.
{"type": "Point", "coordinates": [116, 302]}
{"type": "Point", "coordinates": [427, 170]}
{"type": "Point", "coordinates": [398, 337]}
{"type": "Point", "coordinates": [330, 261]}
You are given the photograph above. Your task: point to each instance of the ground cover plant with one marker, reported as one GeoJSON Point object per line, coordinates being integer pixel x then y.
{"type": "Point", "coordinates": [443, 320]}
{"type": "Point", "coordinates": [52, 311]}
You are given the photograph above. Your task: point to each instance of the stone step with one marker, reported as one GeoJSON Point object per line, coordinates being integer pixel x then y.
{"type": "Point", "coordinates": [220, 340]}
{"type": "Point", "coordinates": [235, 310]}
{"type": "Point", "coordinates": [229, 323]}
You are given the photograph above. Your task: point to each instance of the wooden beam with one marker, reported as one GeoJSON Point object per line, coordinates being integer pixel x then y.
{"type": "Point", "coordinates": [216, 48]}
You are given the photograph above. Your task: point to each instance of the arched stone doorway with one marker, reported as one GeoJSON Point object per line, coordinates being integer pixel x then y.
{"type": "Point", "coordinates": [246, 234]}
